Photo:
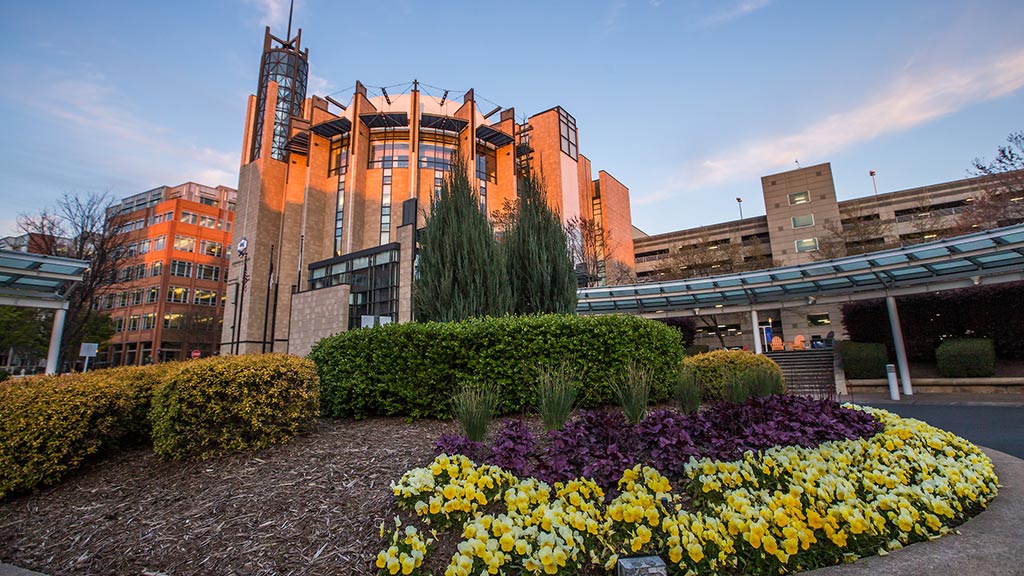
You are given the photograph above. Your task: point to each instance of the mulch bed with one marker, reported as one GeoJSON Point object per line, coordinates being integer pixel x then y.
{"type": "Point", "coordinates": [312, 506]}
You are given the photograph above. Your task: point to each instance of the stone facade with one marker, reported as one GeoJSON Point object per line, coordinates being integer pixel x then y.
{"type": "Point", "coordinates": [316, 314]}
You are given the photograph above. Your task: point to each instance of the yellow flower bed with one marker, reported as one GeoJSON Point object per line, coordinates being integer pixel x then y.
{"type": "Point", "coordinates": [786, 510]}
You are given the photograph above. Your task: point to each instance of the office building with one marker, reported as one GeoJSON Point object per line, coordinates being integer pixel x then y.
{"type": "Point", "coordinates": [805, 222]}
{"type": "Point", "coordinates": [167, 300]}
{"type": "Point", "coordinates": [331, 194]}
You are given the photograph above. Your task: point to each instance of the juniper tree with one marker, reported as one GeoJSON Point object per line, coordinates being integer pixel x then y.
{"type": "Point", "coordinates": [540, 269]}
{"type": "Point", "coordinates": [461, 272]}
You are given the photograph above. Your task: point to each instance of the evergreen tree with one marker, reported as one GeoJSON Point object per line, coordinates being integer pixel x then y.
{"type": "Point", "coordinates": [540, 268]}
{"type": "Point", "coordinates": [461, 272]}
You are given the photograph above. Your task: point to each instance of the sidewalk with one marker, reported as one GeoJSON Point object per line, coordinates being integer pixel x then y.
{"type": "Point", "coordinates": [937, 399]}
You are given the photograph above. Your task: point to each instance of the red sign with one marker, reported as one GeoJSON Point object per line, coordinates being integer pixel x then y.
{"type": "Point", "coordinates": [196, 353]}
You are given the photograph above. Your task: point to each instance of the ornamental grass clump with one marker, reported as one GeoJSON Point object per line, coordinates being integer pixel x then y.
{"type": "Point", "coordinates": [688, 391]}
{"type": "Point", "coordinates": [556, 395]}
{"type": "Point", "coordinates": [474, 409]}
{"type": "Point", "coordinates": [632, 389]}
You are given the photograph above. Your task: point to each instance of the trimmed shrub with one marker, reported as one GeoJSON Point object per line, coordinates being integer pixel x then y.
{"type": "Point", "coordinates": [714, 369]}
{"type": "Point", "coordinates": [966, 358]}
{"type": "Point", "coordinates": [415, 369]}
{"type": "Point", "coordinates": [863, 359]}
{"type": "Point", "coordinates": [235, 403]}
{"type": "Point", "coordinates": [49, 425]}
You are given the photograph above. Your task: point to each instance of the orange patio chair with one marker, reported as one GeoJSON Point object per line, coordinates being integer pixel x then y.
{"type": "Point", "coordinates": [798, 343]}
{"type": "Point", "coordinates": [777, 343]}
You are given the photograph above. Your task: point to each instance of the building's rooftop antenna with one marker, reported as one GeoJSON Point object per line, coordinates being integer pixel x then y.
{"type": "Point", "coordinates": [291, 8]}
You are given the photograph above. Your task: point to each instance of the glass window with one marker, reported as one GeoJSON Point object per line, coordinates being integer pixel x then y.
{"type": "Point", "coordinates": [156, 268]}
{"type": "Point", "coordinates": [205, 297]}
{"type": "Point", "coordinates": [136, 297]}
{"type": "Point", "coordinates": [799, 198]}
{"type": "Point", "coordinates": [338, 159]}
{"type": "Point", "coordinates": [152, 294]}
{"type": "Point", "coordinates": [159, 242]}
{"type": "Point", "coordinates": [803, 221]}
{"type": "Point", "coordinates": [148, 321]}
{"type": "Point", "coordinates": [108, 301]}
{"type": "Point", "coordinates": [389, 149]}
{"type": "Point", "coordinates": [144, 246]}
{"type": "Point", "coordinates": [818, 320]}
{"type": "Point", "coordinates": [211, 248]}
{"type": "Point", "coordinates": [206, 272]}
{"type": "Point", "coordinates": [437, 151]}
{"type": "Point", "coordinates": [185, 243]}
{"type": "Point", "coordinates": [122, 299]}
{"type": "Point", "coordinates": [177, 294]}
{"type": "Point", "coordinates": [207, 221]}
{"type": "Point", "coordinates": [567, 133]}
{"type": "Point", "coordinates": [189, 218]}
{"type": "Point", "coordinates": [486, 164]}
{"type": "Point", "coordinates": [133, 322]}
{"type": "Point", "coordinates": [174, 321]}
{"type": "Point", "coordinates": [807, 245]}
{"type": "Point", "coordinates": [119, 324]}
{"type": "Point", "coordinates": [181, 268]}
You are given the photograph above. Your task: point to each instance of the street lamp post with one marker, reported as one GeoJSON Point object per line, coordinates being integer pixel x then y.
{"type": "Point", "coordinates": [739, 202]}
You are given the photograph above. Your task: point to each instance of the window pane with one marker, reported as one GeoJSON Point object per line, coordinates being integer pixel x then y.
{"type": "Point", "coordinates": [803, 221]}
{"type": "Point", "coordinates": [799, 198]}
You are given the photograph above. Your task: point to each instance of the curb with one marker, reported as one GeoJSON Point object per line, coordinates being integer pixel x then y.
{"type": "Point", "coordinates": [987, 544]}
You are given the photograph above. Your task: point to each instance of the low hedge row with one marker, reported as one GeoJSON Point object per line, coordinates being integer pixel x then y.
{"type": "Point", "coordinates": [415, 369]}
{"type": "Point", "coordinates": [714, 369]}
{"type": "Point", "coordinates": [966, 358]}
{"type": "Point", "coordinates": [49, 425]}
{"type": "Point", "coordinates": [235, 403]}
{"type": "Point", "coordinates": [863, 359]}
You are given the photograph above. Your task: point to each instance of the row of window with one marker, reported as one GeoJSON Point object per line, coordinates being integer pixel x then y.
{"type": "Point", "coordinates": [152, 294]}
{"type": "Point", "coordinates": [181, 268]}
{"type": "Point", "coordinates": [186, 218]}
{"type": "Point", "coordinates": [208, 247]}
{"type": "Point", "coordinates": [390, 149]}
{"type": "Point", "coordinates": [171, 321]}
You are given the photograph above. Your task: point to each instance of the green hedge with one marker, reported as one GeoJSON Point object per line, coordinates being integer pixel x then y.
{"type": "Point", "coordinates": [221, 405]}
{"type": "Point", "coordinates": [966, 358]}
{"type": "Point", "coordinates": [713, 369]}
{"type": "Point", "coordinates": [415, 369]}
{"type": "Point", "coordinates": [863, 360]}
{"type": "Point", "coordinates": [49, 425]}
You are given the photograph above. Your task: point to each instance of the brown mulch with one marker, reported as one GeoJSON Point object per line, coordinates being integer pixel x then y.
{"type": "Point", "coordinates": [312, 506]}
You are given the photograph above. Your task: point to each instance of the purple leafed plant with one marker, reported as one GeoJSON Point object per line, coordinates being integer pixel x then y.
{"type": "Point", "coordinates": [512, 448]}
{"type": "Point", "coordinates": [600, 444]}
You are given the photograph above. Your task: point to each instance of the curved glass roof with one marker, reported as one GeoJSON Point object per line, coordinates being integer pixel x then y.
{"type": "Point", "coordinates": [37, 277]}
{"type": "Point", "coordinates": [993, 252]}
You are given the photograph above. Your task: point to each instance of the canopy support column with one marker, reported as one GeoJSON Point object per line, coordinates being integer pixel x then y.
{"type": "Point", "coordinates": [897, 340]}
{"type": "Point", "coordinates": [756, 329]}
{"type": "Point", "coordinates": [56, 333]}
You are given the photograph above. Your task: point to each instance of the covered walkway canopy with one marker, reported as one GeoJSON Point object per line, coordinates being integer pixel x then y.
{"type": "Point", "coordinates": [983, 258]}
{"type": "Point", "coordinates": [37, 281]}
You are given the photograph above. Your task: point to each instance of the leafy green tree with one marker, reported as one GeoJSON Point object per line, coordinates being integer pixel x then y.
{"type": "Point", "coordinates": [461, 272]}
{"type": "Point", "coordinates": [540, 268]}
{"type": "Point", "coordinates": [25, 331]}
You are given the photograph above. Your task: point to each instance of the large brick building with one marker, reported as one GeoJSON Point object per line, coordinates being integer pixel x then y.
{"type": "Point", "coordinates": [330, 196]}
{"type": "Point", "coordinates": [168, 299]}
{"type": "Point", "coordinates": [805, 222]}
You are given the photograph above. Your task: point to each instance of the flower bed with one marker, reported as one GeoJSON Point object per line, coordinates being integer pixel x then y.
{"type": "Point", "coordinates": [781, 510]}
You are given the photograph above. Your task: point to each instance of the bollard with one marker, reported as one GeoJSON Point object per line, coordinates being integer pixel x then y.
{"type": "Point", "coordinates": [890, 373]}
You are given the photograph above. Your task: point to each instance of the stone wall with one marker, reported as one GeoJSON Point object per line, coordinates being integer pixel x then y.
{"type": "Point", "coordinates": [317, 314]}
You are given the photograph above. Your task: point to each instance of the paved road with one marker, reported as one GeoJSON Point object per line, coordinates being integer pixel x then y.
{"type": "Point", "coordinates": [998, 427]}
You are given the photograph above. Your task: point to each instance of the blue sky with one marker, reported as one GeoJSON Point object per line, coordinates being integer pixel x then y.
{"type": "Point", "coordinates": [687, 102]}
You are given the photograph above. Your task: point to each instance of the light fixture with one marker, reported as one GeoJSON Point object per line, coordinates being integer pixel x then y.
{"type": "Point", "coordinates": [976, 280]}
{"type": "Point", "coordinates": [811, 300]}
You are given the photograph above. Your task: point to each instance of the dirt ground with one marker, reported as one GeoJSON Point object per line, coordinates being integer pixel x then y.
{"type": "Point", "coordinates": [313, 506]}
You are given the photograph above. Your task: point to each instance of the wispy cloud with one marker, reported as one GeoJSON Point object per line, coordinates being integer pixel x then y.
{"type": "Point", "coordinates": [273, 13]}
{"type": "Point", "coordinates": [318, 85]}
{"type": "Point", "coordinates": [908, 102]}
{"type": "Point", "coordinates": [94, 110]}
{"type": "Point", "coordinates": [738, 10]}
{"type": "Point", "coordinates": [613, 12]}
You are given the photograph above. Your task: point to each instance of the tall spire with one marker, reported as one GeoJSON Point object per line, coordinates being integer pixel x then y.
{"type": "Point", "coordinates": [291, 8]}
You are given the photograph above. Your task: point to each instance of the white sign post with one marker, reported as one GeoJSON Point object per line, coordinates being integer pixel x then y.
{"type": "Point", "coordinates": [88, 350]}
